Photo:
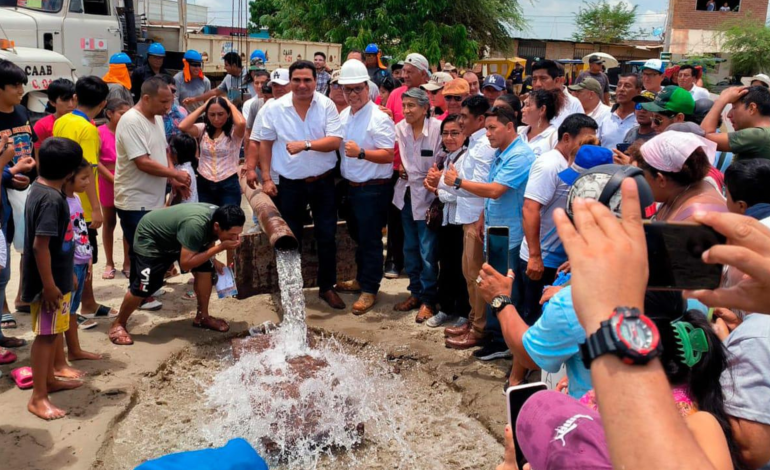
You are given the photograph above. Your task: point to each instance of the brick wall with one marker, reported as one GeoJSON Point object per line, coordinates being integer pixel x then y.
{"type": "Point", "coordinates": [685, 16]}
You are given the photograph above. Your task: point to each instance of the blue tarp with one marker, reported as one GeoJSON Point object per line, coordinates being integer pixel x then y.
{"type": "Point", "coordinates": [235, 455]}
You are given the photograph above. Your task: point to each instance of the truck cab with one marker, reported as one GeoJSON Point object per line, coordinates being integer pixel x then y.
{"type": "Point", "coordinates": [87, 32]}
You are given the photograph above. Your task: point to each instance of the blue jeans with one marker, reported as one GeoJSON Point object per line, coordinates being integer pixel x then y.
{"type": "Point", "coordinates": [368, 216]}
{"type": "Point", "coordinates": [5, 276]}
{"type": "Point", "coordinates": [224, 193]}
{"type": "Point", "coordinates": [81, 271]}
{"type": "Point", "coordinates": [493, 328]}
{"type": "Point", "coordinates": [420, 256]}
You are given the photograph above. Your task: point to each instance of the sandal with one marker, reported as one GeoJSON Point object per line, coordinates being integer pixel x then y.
{"type": "Point", "coordinates": [23, 377]}
{"type": "Point", "coordinates": [23, 309]}
{"type": "Point", "coordinates": [211, 323]}
{"type": "Point", "coordinates": [102, 312]}
{"type": "Point", "coordinates": [126, 273]}
{"type": "Point", "coordinates": [189, 295]}
{"type": "Point", "coordinates": [7, 357]}
{"type": "Point", "coordinates": [109, 273]}
{"type": "Point", "coordinates": [119, 336]}
{"type": "Point", "coordinates": [10, 342]}
{"type": "Point", "coordinates": [7, 321]}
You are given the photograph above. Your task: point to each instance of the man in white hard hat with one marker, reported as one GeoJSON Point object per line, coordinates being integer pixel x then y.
{"type": "Point", "coordinates": [367, 164]}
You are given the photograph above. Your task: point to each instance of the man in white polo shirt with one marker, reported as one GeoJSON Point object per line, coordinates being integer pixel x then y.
{"type": "Point", "coordinates": [298, 138]}
{"type": "Point", "coordinates": [367, 165]}
{"type": "Point", "coordinates": [549, 75]}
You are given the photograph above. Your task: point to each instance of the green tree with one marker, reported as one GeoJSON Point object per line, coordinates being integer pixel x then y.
{"type": "Point", "coordinates": [748, 45]}
{"type": "Point", "coordinates": [601, 22]}
{"type": "Point", "coordinates": [455, 30]}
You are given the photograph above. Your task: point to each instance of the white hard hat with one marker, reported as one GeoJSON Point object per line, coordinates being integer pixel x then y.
{"type": "Point", "coordinates": [352, 72]}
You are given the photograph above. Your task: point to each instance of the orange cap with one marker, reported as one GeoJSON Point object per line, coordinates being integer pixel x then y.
{"type": "Point", "coordinates": [458, 86]}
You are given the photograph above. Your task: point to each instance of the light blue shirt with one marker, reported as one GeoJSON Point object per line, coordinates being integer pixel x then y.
{"type": "Point", "coordinates": [511, 169]}
{"type": "Point", "coordinates": [554, 340]}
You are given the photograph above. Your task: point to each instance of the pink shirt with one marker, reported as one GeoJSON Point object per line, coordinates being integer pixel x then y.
{"type": "Point", "coordinates": [219, 156]}
{"type": "Point", "coordinates": [107, 157]}
{"type": "Point", "coordinates": [44, 129]}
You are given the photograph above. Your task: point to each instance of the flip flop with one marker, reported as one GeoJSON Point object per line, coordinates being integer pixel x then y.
{"type": "Point", "coordinates": [109, 274]}
{"type": "Point", "coordinates": [86, 323]}
{"type": "Point", "coordinates": [119, 336]}
{"type": "Point", "coordinates": [189, 295]}
{"type": "Point", "coordinates": [211, 323]}
{"type": "Point", "coordinates": [126, 273]}
{"type": "Point", "coordinates": [7, 321]}
{"type": "Point", "coordinates": [23, 377]}
{"type": "Point", "coordinates": [102, 312]}
{"type": "Point", "coordinates": [10, 342]}
{"type": "Point", "coordinates": [7, 357]}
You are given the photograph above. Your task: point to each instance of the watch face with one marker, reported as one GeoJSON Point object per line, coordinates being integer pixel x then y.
{"type": "Point", "coordinates": [497, 302]}
{"type": "Point", "coordinates": [635, 332]}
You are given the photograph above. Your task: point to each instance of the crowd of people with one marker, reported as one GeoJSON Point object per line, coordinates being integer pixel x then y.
{"type": "Point", "coordinates": [436, 157]}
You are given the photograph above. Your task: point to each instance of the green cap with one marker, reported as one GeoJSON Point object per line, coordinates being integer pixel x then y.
{"type": "Point", "coordinates": [672, 99]}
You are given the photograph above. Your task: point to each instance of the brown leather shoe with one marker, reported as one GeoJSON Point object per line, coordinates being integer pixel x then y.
{"type": "Point", "coordinates": [332, 298]}
{"type": "Point", "coordinates": [410, 303]}
{"type": "Point", "coordinates": [348, 286]}
{"type": "Point", "coordinates": [364, 303]}
{"type": "Point", "coordinates": [452, 331]}
{"type": "Point", "coordinates": [467, 341]}
{"type": "Point", "coordinates": [424, 313]}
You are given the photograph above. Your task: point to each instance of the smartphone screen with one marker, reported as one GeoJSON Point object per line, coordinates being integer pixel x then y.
{"type": "Point", "coordinates": [622, 147]}
{"type": "Point", "coordinates": [497, 248]}
{"type": "Point", "coordinates": [516, 397]}
{"type": "Point", "coordinates": [674, 252]}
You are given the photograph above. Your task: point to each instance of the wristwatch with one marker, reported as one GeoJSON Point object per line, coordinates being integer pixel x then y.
{"type": "Point", "coordinates": [628, 334]}
{"type": "Point", "coordinates": [499, 303]}
{"type": "Point", "coordinates": [458, 182]}
{"type": "Point", "coordinates": [307, 145]}
{"type": "Point", "coordinates": [362, 154]}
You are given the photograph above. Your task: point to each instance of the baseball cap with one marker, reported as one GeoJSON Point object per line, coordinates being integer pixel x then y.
{"type": "Point", "coordinates": [672, 99]}
{"type": "Point", "coordinates": [437, 81]}
{"type": "Point", "coordinates": [448, 67]}
{"type": "Point", "coordinates": [588, 83]}
{"type": "Point", "coordinates": [670, 150]}
{"type": "Point", "coordinates": [602, 183]}
{"type": "Point", "coordinates": [655, 65]}
{"type": "Point", "coordinates": [458, 86]}
{"type": "Point", "coordinates": [588, 156]}
{"type": "Point", "coordinates": [279, 77]}
{"type": "Point", "coordinates": [495, 81]}
{"type": "Point", "coordinates": [595, 59]}
{"type": "Point", "coordinates": [418, 61]}
{"type": "Point", "coordinates": [644, 97]}
{"type": "Point", "coordinates": [557, 432]}
{"type": "Point", "coordinates": [760, 77]}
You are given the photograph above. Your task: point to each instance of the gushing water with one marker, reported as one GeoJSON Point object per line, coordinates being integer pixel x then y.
{"type": "Point", "coordinates": [294, 326]}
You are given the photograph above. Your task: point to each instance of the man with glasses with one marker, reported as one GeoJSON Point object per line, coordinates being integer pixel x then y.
{"type": "Point", "coordinates": [434, 88]}
{"type": "Point", "coordinates": [643, 129]}
{"type": "Point", "coordinates": [652, 75]}
{"type": "Point", "coordinates": [673, 104]}
{"type": "Point", "coordinates": [613, 129]}
{"type": "Point", "coordinates": [455, 93]}
{"type": "Point", "coordinates": [686, 79]}
{"type": "Point", "coordinates": [190, 82]}
{"type": "Point", "coordinates": [367, 165]}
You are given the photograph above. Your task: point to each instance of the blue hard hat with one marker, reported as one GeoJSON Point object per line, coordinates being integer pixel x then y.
{"type": "Point", "coordinates": [193, 56]}
{"type": "Point", "coordinates": [258, 54]}
{"type": "Point", "coordinates": [157, 49]}
{"type": "Point", "coordinates": [120, 58]}
{"type": "Point", "coordinates": [372, 49]}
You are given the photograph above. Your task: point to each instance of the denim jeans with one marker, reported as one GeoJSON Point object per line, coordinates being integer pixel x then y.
{"type": "Point", "coordinates": [368, 215]}
{"type": "Point", "coordinates": [5, 276]}
{"type": "Point", "coordinates": [493, 324]}
{"type": "Point", "coordinates": [295, 196]}
{"type": "Point", "coordinates": [81, 271]}
{"type": "Point", "coordinates": [530, 292]}
{"type": "Point", "coordinates": [223, 193]}
{"type": "Point", "coordinates": [420, 256]}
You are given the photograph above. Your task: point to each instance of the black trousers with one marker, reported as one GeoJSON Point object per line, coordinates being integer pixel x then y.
{"type": "Point", "coordinates": [452, 288]}
{"type": "Point", "coordinates": [395, 244]}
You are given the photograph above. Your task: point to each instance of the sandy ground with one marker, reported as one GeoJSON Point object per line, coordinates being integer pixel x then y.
{"type": "Point", "coordinates": [114, 385]}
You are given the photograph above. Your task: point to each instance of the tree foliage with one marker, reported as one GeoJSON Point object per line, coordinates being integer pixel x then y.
{"type": "Point", "coordinates": [748, 44]}
{"type": "Point", "coordinates": [601, 22]}
{"type": "Point", "coordinates": [455, 30]}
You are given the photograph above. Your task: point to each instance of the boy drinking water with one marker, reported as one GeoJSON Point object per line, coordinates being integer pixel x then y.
{"type": "Point", "coordinates": [48, 261]}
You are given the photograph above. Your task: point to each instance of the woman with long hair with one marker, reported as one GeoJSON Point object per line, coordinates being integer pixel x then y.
{"type": "Point", "coordinates": [540, 108]}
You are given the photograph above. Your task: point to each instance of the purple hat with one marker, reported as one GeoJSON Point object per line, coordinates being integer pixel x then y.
{"type": "Point", "coordinates": [556, 432]}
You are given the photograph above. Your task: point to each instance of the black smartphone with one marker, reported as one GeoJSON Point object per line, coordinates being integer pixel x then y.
{"type": "Point", "coordinates": [674, 253]}
{"type": "Point", "coordinates": [622, 147]}
{"type": "Point", "coordinates": [497, 249]}
{"type": "Point", "coordinates": [516, 397]}
{"type": "Point", "coordinates": [426, 153]}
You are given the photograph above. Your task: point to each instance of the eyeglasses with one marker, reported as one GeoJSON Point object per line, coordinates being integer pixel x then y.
{"type": "Point", "coordinates": [336, 86]}
{"type": "Point", "coordinates": [357, 90]}
{"type": "Point", "coordinates": [660, 117]}
{"type": "Point", "coordinates": [453, 135]}
{"type": "Point", "coordinates": [453, 98]}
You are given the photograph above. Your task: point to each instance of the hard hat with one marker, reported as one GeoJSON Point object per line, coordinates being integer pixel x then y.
{"type": "Point", "coordinates": [193, 56]}
{"type": "Point", "coordinates": [258, 54]}
{"type": "Point", "coordinates": [120, 58]}
{"type": "Point", "coordinates": [156, 49]}
{"type": "Point", "coordinates": [352, 72]}
{"type": "Point", "coordinates": [372, 49]}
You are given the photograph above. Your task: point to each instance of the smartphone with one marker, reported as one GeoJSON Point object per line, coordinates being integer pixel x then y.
{"type": "Point", "coordinates": [623, 147]}
{"type": "Point", "coordinates": [674, 253]}
{"type": "Point", "coordinates": [426, 153]}
{"type": "Point", "coordinates": [516, 397]}
{"type": "Point", "coordinates": [497, 249]}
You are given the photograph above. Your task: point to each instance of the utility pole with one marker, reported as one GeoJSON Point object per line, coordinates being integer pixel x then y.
{"type": "Point", "coordinates": [182, 4]}
{"type": "Point", "coordinates": [669, 27]}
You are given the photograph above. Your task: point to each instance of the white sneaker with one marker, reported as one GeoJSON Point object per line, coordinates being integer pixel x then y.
{"type": "Point", "coordinates": [158, 293]}
{"type": "Point", "coordinates": [461, 321]}
{"type": "Point", "coordinates": [439, 319]}
{"type": "Point", "coordinates": [151, 304]}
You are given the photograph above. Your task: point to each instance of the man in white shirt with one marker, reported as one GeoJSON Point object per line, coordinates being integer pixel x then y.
{"type": "Point", "coordinates": [298, 138]}
{"type": "Point", "coordinates": [613, 129]}
{"type": "Point", "coordinates": [367, 165]}
{"type": "Point", "coordinates": [686, 78]}
{"type": "Point", "coordinates": [549, 75]}
{"type": "Point", "coordinates": [589, 92]}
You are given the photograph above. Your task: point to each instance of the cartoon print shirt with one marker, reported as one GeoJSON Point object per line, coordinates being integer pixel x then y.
{"type": "Point", "coordinates": [79, 228]}
{"type": "Point", "coordinates": [16, 124]}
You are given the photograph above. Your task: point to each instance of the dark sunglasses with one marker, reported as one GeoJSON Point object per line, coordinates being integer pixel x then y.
{"type": "Point", "coordinates": [453, 98]}
{"type": "Point", "coordinates": [657, 120]}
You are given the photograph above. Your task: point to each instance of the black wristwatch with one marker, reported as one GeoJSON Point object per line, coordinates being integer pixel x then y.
{"type": "Point", "coordinates": [458, 182]}
{"type": "Point", "coordinates": [362, 154]}
{"type": "Point", "coordinates": [499, 303]}
{"type": "Point", "coordinates": [628, 334]}
{"type": "Point", "coordinates": [308, 145]}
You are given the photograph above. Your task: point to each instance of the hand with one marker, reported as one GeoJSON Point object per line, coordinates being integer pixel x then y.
{"type": "Point", "coordinates": [52, 298]}
{"type": "Point", "coordinates": [190, 100]}
{"type": "Point", "coordinates": [434, 176]}
{"type": "Point", "coordinates": [251, 179]}
{"type": "Point", "coordinates": [219, 266]}
{"type": "Point", "coordinates": [510, 462]}
{"type": "Point", "coordinates": [387, 111]}
{"type": "Point", "coordinates": [20, 182]}
{"type": "Point", "coordinates": [96, 218]}
{"type": "Point", "coordinates": [402, 172]}
{"type": "Point", "coordinates": [608, 256]}
{"type": "Point", "coordinates": [24, 165]}
{"type": "Point", "coordinates": [269, 188]}
{"type": "Point", "coordinates": [733, 94]}
{"type": "Point", "coordinates": [230, 244]}
{"type": "Point", "coordinates": [620, 158]}
{"type": "Point", "coordinates": [493, 283]}
{"type": "Point", "coordinates": [450, 175]}
{"type": "Point", "coordinates": [182, 177]}
{"type": "Point", "coordinates": [748, 250]}
{"type": "Point", "coordinates": [563, 385]}
{"type": "Point", "coordinates": [181, 189]}
{"type": "Point", "coordinates": [6, 150]}
{"type": "Point", "coordinates": [720, 329]}
{"type": "Point", "coordinates": [295, 147]}
{"type": "Point", "coordinates": [427, 186]}
{"type": "Point", "coordinates": [728, 317]}
{"type": "Point", "coordinates": [564, 268]}
{"type": "Point", "coordinates": [535, 267]}
{"type": "Point", "coordinates": [549, 292]}
{"type": "Point", "coordinates": [352, 149]}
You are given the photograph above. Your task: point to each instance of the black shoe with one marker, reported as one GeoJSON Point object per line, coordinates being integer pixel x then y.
{"type": "Point", "coordinates": [391, 272]}
{"type": "Point", "coordinates": [492, 351]}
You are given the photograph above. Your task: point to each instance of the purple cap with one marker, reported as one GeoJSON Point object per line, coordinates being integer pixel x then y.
{"type": "Point", "coordinates": [556, 432]}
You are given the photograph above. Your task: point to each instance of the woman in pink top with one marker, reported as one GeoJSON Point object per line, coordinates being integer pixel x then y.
{"type": "Point", "coordinates": [107, 156]}
{"type": "Point", "coordinates": [61, 98]}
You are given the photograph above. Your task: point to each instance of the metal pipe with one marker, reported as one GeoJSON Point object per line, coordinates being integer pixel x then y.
{"type": "Point", "coordinates": [277, 230]}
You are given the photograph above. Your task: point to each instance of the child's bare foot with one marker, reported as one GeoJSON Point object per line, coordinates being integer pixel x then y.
{"type": "Point", "coordinates": [83, 356]}
{"type": "Point", "coordinates": [59, 385]}
{"type": "Point", "coordinates": [68, 372]}
{"type": "Point", "coordinates": [44, 409]}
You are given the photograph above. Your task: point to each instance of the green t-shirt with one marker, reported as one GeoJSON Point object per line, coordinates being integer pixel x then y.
{"type": "Point", "coordinates": [753, 142]}
{"type": "Point", "coordinates": [164, 232]}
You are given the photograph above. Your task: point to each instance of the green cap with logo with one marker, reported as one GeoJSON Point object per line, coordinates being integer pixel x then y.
{"type": "Point", "coordinates": [672, 99]}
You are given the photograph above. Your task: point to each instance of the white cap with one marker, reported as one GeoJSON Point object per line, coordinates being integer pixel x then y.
{"type": "Point", "coordinates": [353, 72]}
{"type": "Point", "coordinates": [418, 61]}
{"type": "Point", "coordinates": [437, 81]}
{"type": "Point", "coordinates": [279, 77]}
{"type": "Point", "coordinates": [654, 64]}
{"type": "Point", "coordinates": [760, 77]}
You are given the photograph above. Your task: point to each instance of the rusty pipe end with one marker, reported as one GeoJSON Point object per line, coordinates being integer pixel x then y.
{"type": "Point", "coordinates": [286, 243]}
{"type": "Point", "coordinates": [277, 230]}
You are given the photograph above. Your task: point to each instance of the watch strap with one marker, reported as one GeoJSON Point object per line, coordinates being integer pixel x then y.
{"type": "Point", "coordinates": [598, 344]}
{"type": "Point", "coordinates": [458, 182]}
{"type": "Point", "coordinates": [506, 301]}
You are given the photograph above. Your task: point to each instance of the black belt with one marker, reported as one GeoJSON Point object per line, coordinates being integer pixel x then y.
{"type": "Point", "coordinates": [375, 182]}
